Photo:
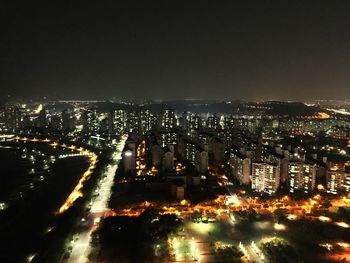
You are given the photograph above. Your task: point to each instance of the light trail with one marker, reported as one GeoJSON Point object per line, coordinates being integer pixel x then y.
{"type": "Point", "coordinates": [76, 193]}
{"type": "Point", "coordinates": [81, 247]}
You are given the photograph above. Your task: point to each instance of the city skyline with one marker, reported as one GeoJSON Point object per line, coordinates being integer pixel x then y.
{"type": "Point", "coordinates": [175, 131]}
{"type": "Point", "coordinates": [179, 181]}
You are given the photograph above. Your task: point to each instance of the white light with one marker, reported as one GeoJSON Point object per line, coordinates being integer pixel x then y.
{"type": "Point", "coordinates": [30, 258]}
{"type": "Point", "coordinates": [128, 153]}
{"type": "Point", "coordinates": [3, 206]}
{"type": "Point", "coordinates": [292, 217]}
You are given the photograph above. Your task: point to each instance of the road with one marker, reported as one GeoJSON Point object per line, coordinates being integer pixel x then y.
{"type": "Point", "coordinates": [253, 255]}
{"type": "Point", "coordinates": [99, 205]}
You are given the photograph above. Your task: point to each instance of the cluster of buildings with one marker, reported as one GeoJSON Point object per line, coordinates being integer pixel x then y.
{"type": "Point", "coordinates": [294, 171]}
{"type": "Point", "coordinates": [168, 142]}
{"type": "Point", "coordinates": [16, 118]}
{"type": "Point", "coordinates": [338, 178]}
{"type": "Point", "coordinates": [275, 168]}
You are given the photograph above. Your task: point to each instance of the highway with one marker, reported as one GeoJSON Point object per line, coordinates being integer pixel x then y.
{"type": "Point", "coordinates": [99, 205]}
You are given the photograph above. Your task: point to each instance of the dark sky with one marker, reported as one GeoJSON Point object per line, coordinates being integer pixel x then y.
{"type": "Point", "coordinates": [175, 49]}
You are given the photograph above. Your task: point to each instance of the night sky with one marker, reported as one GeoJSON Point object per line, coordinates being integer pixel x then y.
{"type": "Point", "coordinates": [288, 50]}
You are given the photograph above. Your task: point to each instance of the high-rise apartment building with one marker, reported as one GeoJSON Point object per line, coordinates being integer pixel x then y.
{"type": "Point", "coordinates": [265, 178]}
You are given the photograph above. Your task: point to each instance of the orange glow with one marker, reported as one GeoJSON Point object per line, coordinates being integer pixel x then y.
{"type": "Point", "coordinates": [317, 197]}
{"type": "Point", "coordinates": [322, 115]}
{"type": "Point", "coordinates": [140, 159]}
{"type": "Point", "coordinates": [336, 167]}
{"type": "Point", "coordinates": [178, 168]}
{"type": "Point", "coordinates": [154, 171]}
{"type": "Point", "coordinates": [184, 202]}
{"type": "Point", "coordinates": [320, 187]}
{"type": "Point", "coordinates": [54, 144]}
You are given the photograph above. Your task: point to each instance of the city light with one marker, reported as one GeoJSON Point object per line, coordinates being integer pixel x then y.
{"type": "Point", "coordinates": [279, 226]}
{"type": "Point", "coordinates": [324, 219]}
{"type": "Point", "coordinates": [343, 244]}
{"type": "Point", "coordinates": [184, 249]}
{"type": "Point", "coordinates": [30, 258]}
{"type": "Point", "coordinates": [342, 224]}
{"type": "Point", "coordinates": [128, 153]}
{"type": "Point", "coordinates": [3, 206]}
{"type": "Point", "coordinates": [99, 207]}
{"type": "Point", "coordinates": [292, 217]}
{"type": "Point", "coordinates": [77, 191]}
{"type": "Point", "coordinates": [38, 109]}
{"type": "Point", "coordinates": [175, 131]}
{"type": "Point", "coordinates": [223, 207]}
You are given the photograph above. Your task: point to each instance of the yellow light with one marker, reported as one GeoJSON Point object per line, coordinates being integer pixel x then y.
{"type": "Point", "coordinates": [39, 109]}
{"type": "Point", "coordinates": [324, 219]}
{"type": "Point", "coordinates": [279, 226]}
{"type": "Point", "coordinates": [327, 246]}
{"type": "Point", "coordinates": [342, 224]}
{"type": "Point", "coordinates": [76, 193]}
{"type": "Point", "coordinates": [343, 244]}
{"type": "Point", "coordinates": [317, 197]}
{"type": "Point", "coordinates": [286, 198]}
{"type": "Point", "coordinates": [54, 144]}
{"type": "Point", "coordinates": [321, 115]}
{"type": "Point", "coordinates": [184, 202]}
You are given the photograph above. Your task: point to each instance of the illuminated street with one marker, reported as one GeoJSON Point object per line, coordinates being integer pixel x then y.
{"type": "Point", "coordinates": [99, 205]}
{"type": "Point", "coordinates": [76, 193]}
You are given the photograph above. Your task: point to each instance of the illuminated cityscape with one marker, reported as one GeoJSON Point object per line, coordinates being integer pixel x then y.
{"type": "Point", "coordinates": [220, 185]}
{"type": "Point", "coordinates": [175, 131]}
